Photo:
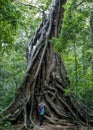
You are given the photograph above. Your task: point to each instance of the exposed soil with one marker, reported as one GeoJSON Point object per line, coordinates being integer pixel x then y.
{"type": "Point", "coordinates": [52, 127]}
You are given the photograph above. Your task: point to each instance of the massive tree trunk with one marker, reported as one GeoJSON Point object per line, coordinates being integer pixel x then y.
{"type": "Point", "coordinates": [46, 79]}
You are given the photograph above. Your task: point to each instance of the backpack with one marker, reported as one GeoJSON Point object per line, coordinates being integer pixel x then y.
{"type": "Point", "coordinates": [39, 108]}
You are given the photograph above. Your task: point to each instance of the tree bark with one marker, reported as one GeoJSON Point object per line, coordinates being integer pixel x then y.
{"type": "Point", "coordinates": [91, 29]}
{"type": "Point", "coordinates": [46, 79]}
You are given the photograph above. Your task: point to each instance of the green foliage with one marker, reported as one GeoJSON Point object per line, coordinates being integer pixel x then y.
{"type": "Point", "coordinates": [44, 4]}
{"type": "Point", "coordinates": [18, 24]}
{"type": "Point", "coordinates": [9, 18]}
{"type": "Point", "coordinates": [11, 73]}
{"type": "Point", "coordinates": [74, 45]}
{"type": "Point", "coordinates": [4, 124]}
{"type": "Point", "coordinates": [76, 23]}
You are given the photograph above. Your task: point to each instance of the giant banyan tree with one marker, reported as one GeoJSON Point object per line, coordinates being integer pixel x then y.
{"type": "Point", "coordinates": [46, 79]}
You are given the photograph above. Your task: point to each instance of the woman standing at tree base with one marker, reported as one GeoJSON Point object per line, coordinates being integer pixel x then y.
{"type": "Point", "coordinates": [41, 110]}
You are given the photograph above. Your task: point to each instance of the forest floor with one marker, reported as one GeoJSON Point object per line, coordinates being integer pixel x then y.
{"type": "Point", "coordinates": [48, 126]}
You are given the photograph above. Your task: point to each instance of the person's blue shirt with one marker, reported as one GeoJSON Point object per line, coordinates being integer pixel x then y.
{"type": "Point", "coordinates": [42, 110]}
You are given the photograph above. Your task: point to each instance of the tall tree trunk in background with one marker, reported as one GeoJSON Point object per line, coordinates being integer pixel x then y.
{"type": "Point", "coordinates": [91, 27]}
{"type": "Point", "coordinates": [46, 79]}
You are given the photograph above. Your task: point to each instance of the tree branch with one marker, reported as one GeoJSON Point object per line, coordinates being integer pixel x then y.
{"type": "Point", "coordinates": [34, 6]}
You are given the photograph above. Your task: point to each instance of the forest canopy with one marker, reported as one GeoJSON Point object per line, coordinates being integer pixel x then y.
{"type": "Point", "coordinates": [20, 19]}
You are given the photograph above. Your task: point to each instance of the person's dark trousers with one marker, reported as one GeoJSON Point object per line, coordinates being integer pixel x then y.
{"type": "Point", "coordinates": [41, 119]}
